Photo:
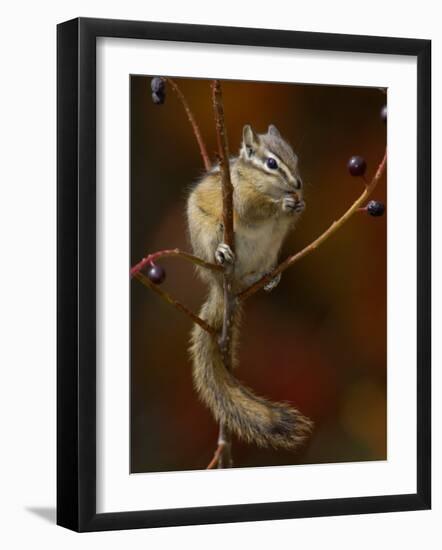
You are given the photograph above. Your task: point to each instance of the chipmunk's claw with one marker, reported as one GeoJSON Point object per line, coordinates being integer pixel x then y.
{"type": "Point", "coordinates": [224, 254]}
{"type": "Point", "coordinates": [291, 203]}
{"type": "Point", "coordinates": [273, 283]}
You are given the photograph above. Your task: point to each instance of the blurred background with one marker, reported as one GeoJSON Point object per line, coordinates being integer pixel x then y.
{"type": "Point", "coordinates": [319, 339]}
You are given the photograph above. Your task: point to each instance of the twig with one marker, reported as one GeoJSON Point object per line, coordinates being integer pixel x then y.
{"type": "Point", "coordinates": [222, 457]}
{"type": "Point", "coordinates": [243, 295]}
{"type": "Point", "coordinates": [195, 127]}
{"type": "Point", "coordinates": [215, 460]}
{"type": "Point", "coordinates": [223, 154]}
{"type": "Point", "coordinates": [229, 237]}
{"type": "Point", "coordinates": [225, 340]}
{"type": "Point", "coordinates": [177, 305]}
{"type": "Point", "coordinates": [174, 252]}
{"type": "Point", "coordinates": [224, 439]}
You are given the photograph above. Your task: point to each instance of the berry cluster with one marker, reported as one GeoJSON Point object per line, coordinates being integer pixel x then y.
{"type": "Point", "coordinates": [158, 86]}
{"type": "Point", "coordinates": [357, 167]}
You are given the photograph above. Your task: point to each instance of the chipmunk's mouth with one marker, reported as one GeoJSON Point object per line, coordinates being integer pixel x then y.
{"type": "Point", "coordinates": [293, 193]}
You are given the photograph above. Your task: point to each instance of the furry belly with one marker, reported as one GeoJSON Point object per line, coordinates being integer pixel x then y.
{"type": "Point", "coordinates": [257, 250]}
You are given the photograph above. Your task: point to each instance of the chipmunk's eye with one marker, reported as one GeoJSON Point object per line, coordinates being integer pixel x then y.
{"type": "Point", "coordinates": [298, 183]}
{"type": "Point", "coordinates": [271, 163]}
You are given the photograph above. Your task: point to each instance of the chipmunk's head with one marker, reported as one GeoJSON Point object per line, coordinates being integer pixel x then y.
{"type": "Point", "coordinates": [274, 159]}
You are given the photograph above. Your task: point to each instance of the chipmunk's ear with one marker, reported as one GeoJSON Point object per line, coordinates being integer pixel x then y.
{"type": "Point", "coordinates": [250, 139]}
{"type": "Point", "coordinates": [273, 131]}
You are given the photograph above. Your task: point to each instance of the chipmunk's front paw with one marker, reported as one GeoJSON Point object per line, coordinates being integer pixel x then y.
{"type": "Point", "coordinates": [291, 203]}
{"type": "Point", "coordinates": [224, 254]}
{"type": "Point", "coordinates": [273, 283]}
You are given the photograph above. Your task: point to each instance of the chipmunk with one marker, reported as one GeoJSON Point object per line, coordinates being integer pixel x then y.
{"type": "Point", "coordinates": [267, 199]}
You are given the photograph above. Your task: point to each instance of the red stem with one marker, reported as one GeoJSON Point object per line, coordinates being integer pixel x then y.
{"type": "Point", "coordinates": [193, 123]}
{"type": "Point", "coordinates": [176, 304]}
{"type": "Point", "coordinates": [174, 252]}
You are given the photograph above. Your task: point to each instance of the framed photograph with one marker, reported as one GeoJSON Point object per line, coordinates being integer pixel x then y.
{"type": "Point", "coordinates": [243, 274]}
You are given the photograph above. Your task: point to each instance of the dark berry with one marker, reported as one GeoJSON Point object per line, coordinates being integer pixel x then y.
{"type": "Point", "coordinates": [156, 274]}
{"type": "Point", "coordinates": [384, 114]}
{"type": "Point", "coordinates": [157, 84]}
{"type": "Point", "coordinates": [357, 166]}
{"type": "Point", "coordinates": [271, 163]}
{"type": "Point", "coordinates": [375, 208]}
{"type": "Point", "coordinates": [158, 99]}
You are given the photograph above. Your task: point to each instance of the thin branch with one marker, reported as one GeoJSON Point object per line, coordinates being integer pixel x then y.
{"type": "Point", "coordinates": [225, 340]}
{"type": "Point", "coordinates": [225, 457]}
{"type": "Point", "coordinates": [229, 237]}
{"type": "Point", "coordinates": [222, 457]}
{"type": "Point", "coordinates": [177, 305]}
{"type": "Point", "coordinates": [193, 123]}
{"type": "Point", "coordinates": [216, 457]}
{"type": "Point", "coordinates": [321, 239]}
{"type": "Point", "coordinates": [224, 165]}
{"type": "Point", "coordinates": [175, 252]}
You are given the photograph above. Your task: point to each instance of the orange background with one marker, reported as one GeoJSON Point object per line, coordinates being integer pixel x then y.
{"type": "Point", "coordinates": [319, 339]}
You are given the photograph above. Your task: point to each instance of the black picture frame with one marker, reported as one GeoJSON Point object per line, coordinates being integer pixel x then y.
{"type": "Point", "coordinates": [76, 274]}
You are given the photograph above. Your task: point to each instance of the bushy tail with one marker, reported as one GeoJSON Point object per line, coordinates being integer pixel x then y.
{"type": "Point", "coordinates": [250, 417]}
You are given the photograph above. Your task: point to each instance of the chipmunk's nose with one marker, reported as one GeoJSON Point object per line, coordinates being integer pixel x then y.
{"type": "Point", "coordinates": [295, 182]}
